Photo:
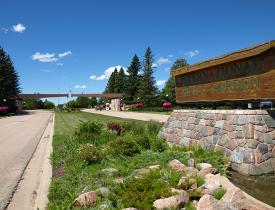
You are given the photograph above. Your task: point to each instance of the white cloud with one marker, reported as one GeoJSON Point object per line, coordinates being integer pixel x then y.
{"type": "Point", "coordinates": [161, 61]}
{"type": "Point", "coordinates": [107, 73]}
{"type": "Point", "coordinates": [170, 56]}
{"type": "Point", "coordinates": [160, 82]}
{"type": "Point", "coordinates": [46, 57]}
{"type": "Point", "coordinates": [61, 55]}
{"type": "Point", "coordinates": [192, 53]}
{"type": "Point", "coordinates": [19, 28]}
{"type": "Point", "coordinates": [59, 64]}
{"type": "Point", "coordinates": [80, 86]}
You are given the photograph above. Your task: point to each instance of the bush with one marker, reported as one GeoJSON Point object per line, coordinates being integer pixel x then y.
{"type": "Point", "coordinates": [115, 127]}
{"type": "Point", "coordinates": [159, 145]}
{"type": "Point", "coordinates": [142, 193]}
{"type": "Point", "coordinates": [89, 127]}
{"type": "Point", "coordinates": [4, 110]}
{"type": "Point", "coordinates": [143, 141]}
{"type": "Point", "coordinates": [125, 146]}
{"type": "Point", "coordinates": [90, 154]}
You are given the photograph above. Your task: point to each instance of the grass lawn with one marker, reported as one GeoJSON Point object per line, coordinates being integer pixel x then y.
{"type": "Point", "coordinates": [78, 166]}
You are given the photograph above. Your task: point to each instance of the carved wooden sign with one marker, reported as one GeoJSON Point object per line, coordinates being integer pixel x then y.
{"type": "Point", "coordinates": [243, 75]}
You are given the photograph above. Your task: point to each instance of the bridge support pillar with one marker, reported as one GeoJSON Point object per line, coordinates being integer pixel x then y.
{"type": "Point", "coordinates": [115, 104]}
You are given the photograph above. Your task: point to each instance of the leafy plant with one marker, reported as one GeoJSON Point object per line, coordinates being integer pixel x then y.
{"type": "Point", "coordinates": [115, 127]}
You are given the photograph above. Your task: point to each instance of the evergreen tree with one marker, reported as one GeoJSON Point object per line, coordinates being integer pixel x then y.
{"type": "Point", "coordinates": [133, 81]}
{"type": "Point", "coordinates": [121, 81]}
{"type": "Point", "coordinates": [9, 85]}
{"type": "Point", "coordinates": [112, 83]}
{"type": "Point", "coordinates": [147, 88]}
{"type": "Point", "coordinates": [169, 91]}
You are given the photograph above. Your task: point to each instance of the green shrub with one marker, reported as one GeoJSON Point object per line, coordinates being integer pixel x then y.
{"type": "Point", "coordinates": [143, 141]}
{"type": "Point", "coordinates": [143, 192]}
{"type": "Point", "coordinates": [89, 127]}
{"type": "Point", "coordinates": [125, 146]}
{"type": "Point", "coordinates": [90, 154]}
{"type": "Point", "coordinates": [153, 127]}
{"type": "Point", "coordinates": [158, 145]}
{"type": "Point", "coordinates": [219, 193]}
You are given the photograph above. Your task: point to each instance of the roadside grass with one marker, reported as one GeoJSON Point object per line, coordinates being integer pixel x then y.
{"type": "Point", "coordinates": [79, 162]}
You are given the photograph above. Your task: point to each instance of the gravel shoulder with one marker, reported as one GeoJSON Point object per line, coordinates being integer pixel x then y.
{"type": "Point", "coordinates": [131, 115]}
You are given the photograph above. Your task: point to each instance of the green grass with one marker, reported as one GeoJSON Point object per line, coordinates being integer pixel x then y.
{"type": "Point", "coordinates": [77, 170]}
{"type": "Point", "coordinates": [219, 193]}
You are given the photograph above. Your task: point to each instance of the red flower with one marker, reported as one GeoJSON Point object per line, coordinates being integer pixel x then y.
{"type": "Point", "coordinates": [138, 105]}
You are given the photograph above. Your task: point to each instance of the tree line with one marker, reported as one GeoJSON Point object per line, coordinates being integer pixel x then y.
{"type": "Point", "coordinates": [139, 84]}
{"type": "Point", "coordinates": [9, 82]}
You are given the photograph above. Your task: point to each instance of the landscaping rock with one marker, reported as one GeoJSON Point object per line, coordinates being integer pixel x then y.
{"type": "Point", "coordinates": [204, 171]}
{"type": "Point", "coordinates": [204, 165]}
{"type": "Point", "coordinates": [131, 208]}
{"type": "Point", "coordinates": [110, 170]}
{"type": "Point", "coordinates": [103, 191]}
{"type": "Point", "coordinates": [190, 171]}
{"type": "Point", "coordinates": [119, 180]}
{"type": "Point", "coordinates": [207, 202]}
{"type": "Point", "coordinates": [182, 180]}
{"type": "Point", "coordinates": [154, 167]}
{"type": "Point", "coordinates": [191, 163]}
{"type": "Point", "coordinates": [176, 165]}
{"type": "Point", "coordinates": [142, 171]}
{"type": "Point", "coordinates": [175, 201]}
{"type": "Point", "coordinates": [211, 187]}
{"type": "Point", "coordinates": [85, 199]}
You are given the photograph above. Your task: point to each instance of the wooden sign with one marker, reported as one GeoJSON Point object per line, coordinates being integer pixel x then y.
{"type": "Point", "coordinates": [243, 75]}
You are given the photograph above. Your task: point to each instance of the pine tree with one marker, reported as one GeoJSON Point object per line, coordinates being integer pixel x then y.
{"type": "Point", "coordinates": [121, 81]}
{"type": "Point", "coordinates": [147, 88]}
{"type": "Point", "coordinates": [169, 90]}
{"type": "Point", "coordinates": [112, 83]}
{"type": "Point", "coordinates": [133, 81]}
{"type": "Point", "coordinates": [9, 85]}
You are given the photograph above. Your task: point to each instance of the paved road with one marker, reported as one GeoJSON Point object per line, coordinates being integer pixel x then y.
{"type": "Point", "coordinates": [19, 137]}
{"type": "Point", "coordinates": [131, 115]}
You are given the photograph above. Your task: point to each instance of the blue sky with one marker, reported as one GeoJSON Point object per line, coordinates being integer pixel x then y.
{"type": "Point", "coordinates": [81, 39]}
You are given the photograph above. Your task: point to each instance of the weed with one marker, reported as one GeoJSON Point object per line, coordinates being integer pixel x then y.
{"type": "Point", "coordinates": [158, 145]}
{"type": "Point", "coordinates": [153, 127]}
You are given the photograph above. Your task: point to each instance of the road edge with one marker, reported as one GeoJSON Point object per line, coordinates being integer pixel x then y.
{"type": "Point", "coordinates": [33, 187]}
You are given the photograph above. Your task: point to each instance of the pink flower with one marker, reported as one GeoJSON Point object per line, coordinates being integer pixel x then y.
{"type": "Point", "coordinates": [167, 104]}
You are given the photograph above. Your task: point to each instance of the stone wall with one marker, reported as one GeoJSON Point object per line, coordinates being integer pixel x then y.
{"type": "Point", "coordinates": [242, 135]}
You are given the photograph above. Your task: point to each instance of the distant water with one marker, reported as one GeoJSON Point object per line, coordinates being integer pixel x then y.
{"type": "Point", "coordinates": [260, 187]}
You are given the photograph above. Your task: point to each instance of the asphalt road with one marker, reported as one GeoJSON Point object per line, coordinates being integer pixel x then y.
{"type": "Point", "coordinates": [19, 137]}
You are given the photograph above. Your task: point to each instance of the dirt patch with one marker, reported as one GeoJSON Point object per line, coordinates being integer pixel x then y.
{"type": "Point", "coordinates": [58, 172]}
